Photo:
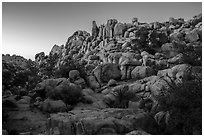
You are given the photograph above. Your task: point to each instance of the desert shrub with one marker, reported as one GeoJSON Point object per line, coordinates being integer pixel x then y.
{"type": "Point", "coordinates": [122, 97]}
{"type": "Point", "coordinates": [33, 77]}
{"type": "Point", "coordinates": [185, 106]}
{"type": "Point", "coordinates": [27, 77]}
{"type": "Point", "coordinates": [8, 74]}
{"type": "Point", "coordinates": [21, 77]}
{"type": "Point", "coordinates": [15, 76]}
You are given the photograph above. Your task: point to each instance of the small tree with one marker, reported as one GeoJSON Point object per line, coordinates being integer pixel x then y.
{"type": "Point", "coordinates": [33, 78]}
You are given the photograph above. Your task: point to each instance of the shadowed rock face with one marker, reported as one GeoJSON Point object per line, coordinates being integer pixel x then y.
{"type": "Point", "coordinates": [106, 72]}
{"type": "Point", "coordinates": [59, 89]}
{"type": "Point", "coordinates": [123, 78]}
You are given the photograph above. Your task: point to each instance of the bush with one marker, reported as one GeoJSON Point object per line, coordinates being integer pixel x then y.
{"type": "Point", "coordinates": [48, 67]}
{"type": "Point", "coordinates": [185, 106]}
{"type": "Point", "coordinates": [8, 74]}
{"type": "Point", "coordinates": [33, 78]}
{"type": "Point", "coordinates": [14, 76]}
{"type": "Point", "coordinates": [122, 97]}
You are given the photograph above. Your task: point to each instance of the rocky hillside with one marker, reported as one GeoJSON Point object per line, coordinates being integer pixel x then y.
{"type": "Point", "coordinates": [123, 78]}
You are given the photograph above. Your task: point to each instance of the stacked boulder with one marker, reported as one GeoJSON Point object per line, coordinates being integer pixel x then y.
{"type": "Point", "coordinates": [58, 93]}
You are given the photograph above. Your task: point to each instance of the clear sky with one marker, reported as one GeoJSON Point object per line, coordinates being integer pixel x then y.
{"type": "Point", "coordinates": [30, 28]}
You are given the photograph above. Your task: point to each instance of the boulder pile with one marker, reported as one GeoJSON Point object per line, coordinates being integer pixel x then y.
{"type": "Point", "coordinates": [123, 78]}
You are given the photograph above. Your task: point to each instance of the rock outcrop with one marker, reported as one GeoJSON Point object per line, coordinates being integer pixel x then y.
{"type": "Point", "coordinates": [124, 78]}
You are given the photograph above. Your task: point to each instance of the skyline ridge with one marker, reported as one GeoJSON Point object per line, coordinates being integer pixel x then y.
{"type": "Point", "coordinates": [34, 30]}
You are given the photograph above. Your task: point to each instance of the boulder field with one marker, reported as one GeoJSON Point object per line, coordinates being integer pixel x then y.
{"type": "Point", "coordinates": [122, 79]}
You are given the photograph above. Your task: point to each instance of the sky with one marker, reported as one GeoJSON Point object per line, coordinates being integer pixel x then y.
{"type": "Point", "coordinates": [30, 28]}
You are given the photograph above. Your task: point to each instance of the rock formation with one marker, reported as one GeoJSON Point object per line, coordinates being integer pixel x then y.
{"type": "Point", "coordinates": [123, 78]}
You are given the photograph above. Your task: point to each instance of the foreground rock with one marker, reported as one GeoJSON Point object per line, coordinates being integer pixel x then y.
{"type": "Point", "coordinates": [105, 122]}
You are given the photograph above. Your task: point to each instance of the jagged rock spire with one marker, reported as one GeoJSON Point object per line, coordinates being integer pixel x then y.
{"type": "Point", "coordinates": [95, 29]}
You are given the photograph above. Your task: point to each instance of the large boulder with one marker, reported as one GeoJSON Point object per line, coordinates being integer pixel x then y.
{"type": "Point", "coordinates": [93, 83]}
{"type": "Point", "coordinates": [179, 36]}
{"type": "Point", "coordinates": [181, 72]}
{"type": "Point", "coordinates": [160, 87]}
{"type": "Point", "coordinates": [178, 59]}
{"type": "Point", "coordinates": [172, 49]}
{"type": "Point", "coordinates": [59, 88]}
{"type": "Point", "coordinates": [47, 85]}
{"type": "Point", "coordinates": [39, 56]}
{"type": "Point", "coordinates": [168, 78]}
{"type": "Point", "coordinates": [119, 29]}
{"type": "Point", "coordinates": [140, 72]}
{"type": "Point", "coordinates": [74, 75]}
{"type": "Point", "coordinates": [76, 44]}
{"type": "Point", "coordinates": [53, 106]}
{"type": "Point", "coordinates": [127, 63]}
{"type": "Point", "coordinates": [107, 71]}
{"type": "Point", "coordinates": [75, 78]}
{"type": "Point", "coordinates": [192, 36]}
{"type": "Point", "coordinates": [56, 50]}
{"type": "Point", "coordinates": [196, 19]}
